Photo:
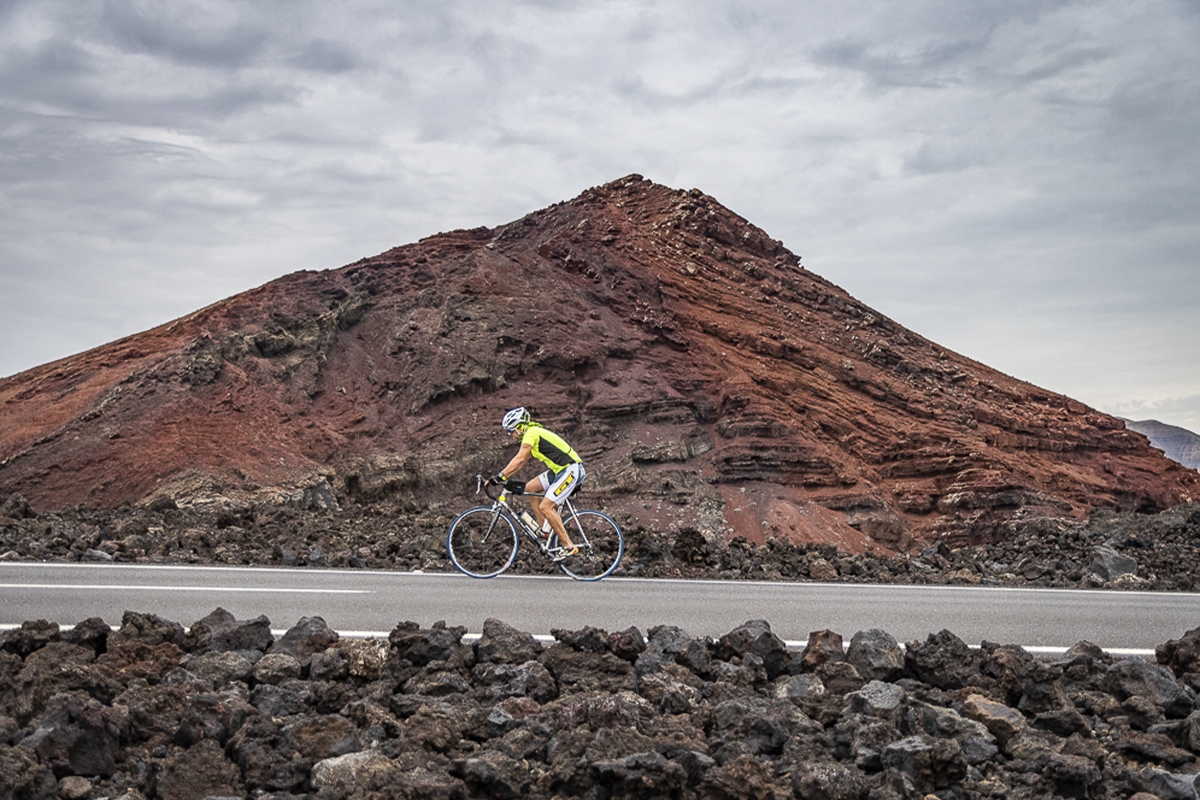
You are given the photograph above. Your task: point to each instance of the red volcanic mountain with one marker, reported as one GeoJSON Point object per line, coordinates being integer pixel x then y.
{"type": "Point", "coordinates": [709, 380]}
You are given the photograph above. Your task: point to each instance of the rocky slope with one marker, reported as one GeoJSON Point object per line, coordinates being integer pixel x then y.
{"type": "Point", "coordinates": [226, 709]}
{"type": "Point", "coordinates": [1178, 444]}
{"type": "Point", "coordinates": [711, 382]}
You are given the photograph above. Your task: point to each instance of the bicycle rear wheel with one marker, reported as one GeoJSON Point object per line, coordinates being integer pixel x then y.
{"type": "Point", "coordinates": [482, 542]}
{"type": "Point", "coordinates": [600, 546]}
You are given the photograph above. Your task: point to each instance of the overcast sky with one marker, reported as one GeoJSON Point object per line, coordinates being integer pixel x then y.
{"type": "Point", "coordinates": [1018, 180]}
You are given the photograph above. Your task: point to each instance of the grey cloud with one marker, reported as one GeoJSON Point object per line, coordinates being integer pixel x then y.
{"type": "Point", "coordinates": [211, 35]}
{"type": "Point", "coordinates": [52, 74]}
{"type": "Point", "coordinates": [54, 60]}
{"type": "Point", "coordinates": [323, 55]}
{"type": "Point", "coordinates": [944, 155]}
{"type": "Point", "coordinates": [64, 75]}
{"type": "Point", "coordinates": [939, 45]}
{"type": "Point", "coordinates": [1061, 61]}
{"type": "Point", "coordinates": [932, 66]}
{"type": "Point", "coordinates": [771, 84]}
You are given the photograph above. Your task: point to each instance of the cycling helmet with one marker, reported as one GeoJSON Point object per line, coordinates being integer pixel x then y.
{"type": "Point", "coordinates": [516, 419]}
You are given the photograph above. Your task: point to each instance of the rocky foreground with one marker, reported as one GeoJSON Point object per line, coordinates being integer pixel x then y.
{"type": "Point", "coordinates": [1117, 550]}
{"type": "Point", "coordinates": [226, 709]}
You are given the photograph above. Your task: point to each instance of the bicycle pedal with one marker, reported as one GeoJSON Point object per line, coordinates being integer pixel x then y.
{"type": "Point", "coordinates": [563, 554]}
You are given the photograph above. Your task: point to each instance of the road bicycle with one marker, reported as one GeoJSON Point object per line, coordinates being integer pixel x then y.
{"type": "Point", "coordinates": [483, 541]}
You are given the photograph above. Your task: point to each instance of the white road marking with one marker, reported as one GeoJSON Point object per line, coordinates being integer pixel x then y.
{"type": "Point", "coordinates": [131, 587]}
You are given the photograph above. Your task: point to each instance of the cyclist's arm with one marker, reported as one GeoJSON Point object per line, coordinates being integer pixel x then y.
{"type": "Point", "coordinates": [518, 461]}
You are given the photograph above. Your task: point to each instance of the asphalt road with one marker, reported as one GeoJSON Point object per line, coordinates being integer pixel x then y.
{"type": "Point", "coordinates": [360, 603]}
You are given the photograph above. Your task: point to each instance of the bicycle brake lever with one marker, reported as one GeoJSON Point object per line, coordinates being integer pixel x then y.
{"type": "Point", "coordinates": [478, 484]}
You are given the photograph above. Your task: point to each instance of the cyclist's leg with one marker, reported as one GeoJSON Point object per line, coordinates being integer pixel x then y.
{"type": "Point", "coordinates": [548, 509]}
{"type": "Point", "coordinates": [537, 485]}
{"type": "Point", "coordinates": [557, 492]}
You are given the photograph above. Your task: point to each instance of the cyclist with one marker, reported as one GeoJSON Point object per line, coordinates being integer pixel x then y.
{"type": "Point", "coordinates": [563, 476]}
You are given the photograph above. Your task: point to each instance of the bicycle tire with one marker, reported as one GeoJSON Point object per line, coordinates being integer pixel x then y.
{"type": "Point", "coordinates": [482, 542]}
{"type": "Point", "coordinates": [601, 546]}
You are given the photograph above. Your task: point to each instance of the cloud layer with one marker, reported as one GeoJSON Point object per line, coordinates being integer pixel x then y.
{"type": "Point", "coordinates": [1014, 180]}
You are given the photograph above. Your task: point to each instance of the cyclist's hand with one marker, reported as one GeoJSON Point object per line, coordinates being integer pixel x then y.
{"type": "Point", "coordinates": [495, 480]}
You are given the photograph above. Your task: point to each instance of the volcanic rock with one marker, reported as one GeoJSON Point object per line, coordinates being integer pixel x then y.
{"type": "Point", "coordinates": [221, 631]}
{"type": "Point", "coordinates": [559, 725]}
{"type": "Point", "coordinates": [711, 383]}
{"type": "Point", "coordinates": [1181, 655]}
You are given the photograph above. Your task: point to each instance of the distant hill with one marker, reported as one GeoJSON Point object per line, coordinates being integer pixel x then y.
{"type": "Point", "coordinates": [1179, 444]}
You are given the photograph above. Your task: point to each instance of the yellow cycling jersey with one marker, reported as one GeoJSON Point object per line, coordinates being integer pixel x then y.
{"type": "Point", "coordinates": [550, 448]}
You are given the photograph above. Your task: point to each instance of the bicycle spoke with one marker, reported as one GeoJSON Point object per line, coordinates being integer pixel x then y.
{"type": "Point", "coordinates": [600, 546]}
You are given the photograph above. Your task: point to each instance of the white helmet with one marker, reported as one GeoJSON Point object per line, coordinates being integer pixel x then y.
{"type": "Point", "coordinates": [516, 419]}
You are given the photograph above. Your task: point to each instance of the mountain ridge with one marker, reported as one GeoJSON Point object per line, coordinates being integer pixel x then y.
{"type": "Point", "coordinates": [1178, 444]}
{"type": "Point", "coordinates": [709, 379]}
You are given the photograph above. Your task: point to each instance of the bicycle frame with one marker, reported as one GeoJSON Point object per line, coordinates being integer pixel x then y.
{"type": "Point", "coordinates": [500, 505]}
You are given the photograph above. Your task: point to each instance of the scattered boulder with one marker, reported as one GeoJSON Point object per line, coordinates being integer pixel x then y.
{"type": "Point", "coordinates": [17, 507]}
{"type": "Point", "coordinates": [80, 738]}
{"type": "Point", "coordinates": [319, 496]}
{"type": "Point", "coordinates": [942, 660]}
{"type": "Point", "coordinates": [220, 631]}
{"type": "Point", "coordinates": [275, 668]}
{"type": "Point", "coordinates": [319, 737]}
{"type": "Point", "coordinates": [876, 699]}
{"type": "Point", "coordinates": [365, 659]}
{"type": "Point", "coordinates": [148, 629]}
{"type": "Point", "coordinates": [627, 644]}
{"type": "Point", "coordinates": [930, 763]}
{"type": "Point", "coordinates": [503, 644]}
{"type": "Point", "coordinates": [1134, 677]}
{"type": "Point", "coordinates": [822, 646]}
{"type": "Point", "coordinates": [1001, 721]}
{"type": "Point", "coordinates": [1181, 655]}
{"type": "Point", "coordinates": [755, 637]}
{"type": "Point", "coordinates": [1110, 565]}
{"type": "Point", "coordinates": [342, 774]}
{"type": "Point", "coordinates": [420, 646]}
{"type": "Point", "coordinates": [23, 775]}
{"type": "Point", "coordinates": [875, 655]}
{"type": "Point", "coordinates": [29, 637]}
{"type": "Point", "coordinates": [308, 636]}
{"type": "Point", "coordinates": [221, 667]}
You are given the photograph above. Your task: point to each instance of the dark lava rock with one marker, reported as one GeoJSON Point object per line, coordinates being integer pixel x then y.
{"type": "Point", "coordinates": [594, 714]}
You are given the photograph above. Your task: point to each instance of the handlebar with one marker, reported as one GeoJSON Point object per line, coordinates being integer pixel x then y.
{"type": "Point", "coordinates": [511, 486]}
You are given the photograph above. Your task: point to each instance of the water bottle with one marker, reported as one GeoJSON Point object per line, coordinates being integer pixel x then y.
{"type": "Point", "coordinates": [528, 520]}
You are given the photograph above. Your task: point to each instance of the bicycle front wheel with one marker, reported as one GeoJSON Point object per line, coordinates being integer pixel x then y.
{"type": "Point", "coordinates": [600, 546]}
{"type": "Point", "coordinates": [482, 542]}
